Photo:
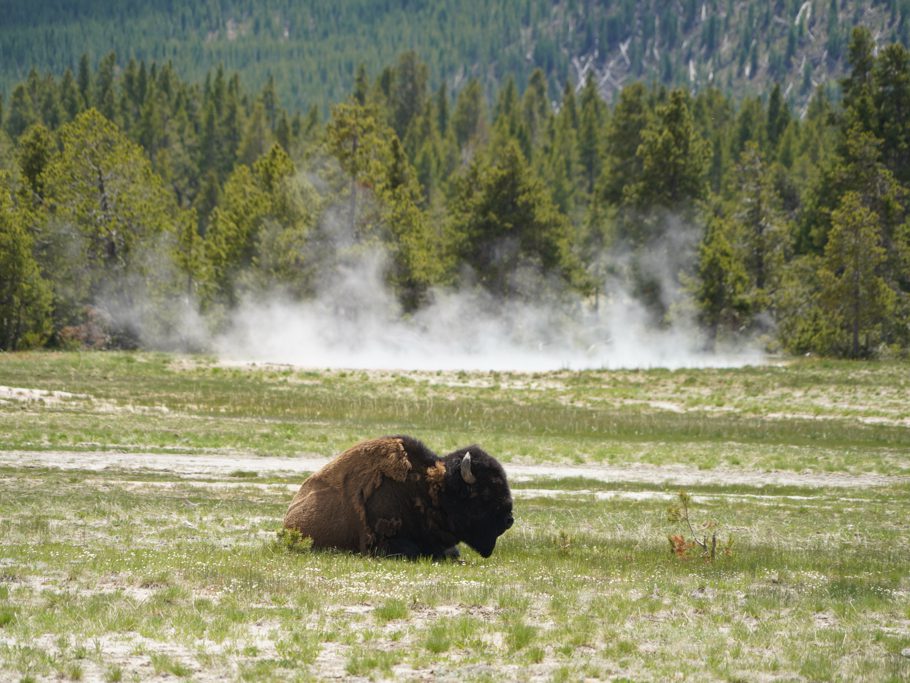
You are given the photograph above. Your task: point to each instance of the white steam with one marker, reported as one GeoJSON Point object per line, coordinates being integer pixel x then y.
{"type": "Point", "coordinates": [355, 322]}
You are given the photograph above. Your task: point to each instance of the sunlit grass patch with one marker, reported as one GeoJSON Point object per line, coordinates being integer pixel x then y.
{"type": "Point", "coordinates": [300, 647]}
{"type": "Point", "coordinates": [165, 664]}
{"type": "Point", "coordinates": [371, 660]}
{"type": "Point", "coordinates": [391, 610]}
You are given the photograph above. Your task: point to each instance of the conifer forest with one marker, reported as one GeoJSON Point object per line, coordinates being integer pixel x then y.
{"type": "Point", "coordinates": [135, 191]}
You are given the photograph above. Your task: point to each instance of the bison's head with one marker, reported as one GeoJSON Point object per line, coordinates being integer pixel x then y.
{"type": "Point", "coordinates": [477, 498]}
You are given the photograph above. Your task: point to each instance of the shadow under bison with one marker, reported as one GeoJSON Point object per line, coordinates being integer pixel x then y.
{"type": "Point", "coordinates": [393, 496]}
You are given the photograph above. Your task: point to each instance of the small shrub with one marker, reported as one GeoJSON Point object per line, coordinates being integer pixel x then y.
{"type": "Point", "coordinates": [291, 540]}
{"type": "Point", "coordinates": [563, 542]}
{"type": "Point", "coordinates": [703, 541]}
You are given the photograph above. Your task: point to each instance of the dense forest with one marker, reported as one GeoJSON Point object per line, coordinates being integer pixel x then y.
{"type": "Point", "coordinates": [125, 188]}
{"type": "Point", "coordinates": [311, 50]}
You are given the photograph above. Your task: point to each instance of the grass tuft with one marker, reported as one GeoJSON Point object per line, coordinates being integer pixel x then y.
{"type": "Point", "coordinates": [391, 610]}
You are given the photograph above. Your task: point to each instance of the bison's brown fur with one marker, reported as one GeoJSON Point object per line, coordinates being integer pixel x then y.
{"type": "Point", "coordinates": [393, 496]}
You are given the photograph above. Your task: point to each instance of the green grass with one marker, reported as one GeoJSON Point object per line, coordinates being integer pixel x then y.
{"type": "Point", "coordinates": [161, 403]}
{"type": "Point", "coordinates": [124, 574]}
{"type": "Point", "coordinates": [391, 610]}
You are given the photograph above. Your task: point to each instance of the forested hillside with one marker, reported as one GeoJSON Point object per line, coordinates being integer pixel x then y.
{"type": "Point", "coordinates": [312, 49]}
{"type": "Point", "coordinates": [134, 200]}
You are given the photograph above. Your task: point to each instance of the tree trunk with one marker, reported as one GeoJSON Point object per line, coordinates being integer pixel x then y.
{"type": "Point", "coordinates": [856, 302]}
{"type": "Point", "coordinates": [354, 190]}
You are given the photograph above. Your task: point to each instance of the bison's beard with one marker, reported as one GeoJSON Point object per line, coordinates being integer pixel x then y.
{"type": "Point", "coordinates": [483, 544]}
{"type": "Point", "coordinates": [483, 539]}
{"type": "Point", "coordinates": [485, 548]}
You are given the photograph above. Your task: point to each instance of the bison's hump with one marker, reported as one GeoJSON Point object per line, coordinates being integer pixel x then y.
{"type": "Point", "coordinates": [394, 462]}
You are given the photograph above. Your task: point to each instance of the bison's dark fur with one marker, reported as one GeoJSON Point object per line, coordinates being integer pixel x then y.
{"type": "Point", "coordinates": [394, 496]}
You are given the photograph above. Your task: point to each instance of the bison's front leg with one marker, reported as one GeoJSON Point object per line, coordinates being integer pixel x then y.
{"type": "Point", "coordinates": [408, 548]}
{"type": "Point", "coordinates": [401, 547]}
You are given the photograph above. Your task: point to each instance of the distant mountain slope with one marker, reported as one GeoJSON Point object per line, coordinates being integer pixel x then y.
{"type": "Point", "coordinates": [312, 49]}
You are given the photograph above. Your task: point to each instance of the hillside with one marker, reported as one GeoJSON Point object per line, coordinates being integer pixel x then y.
{"type": "Point", "coordinates": [312, 50]}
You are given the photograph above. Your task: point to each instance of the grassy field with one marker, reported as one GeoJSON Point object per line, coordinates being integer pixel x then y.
{"type": "Point", "coordinates": [140, 495]}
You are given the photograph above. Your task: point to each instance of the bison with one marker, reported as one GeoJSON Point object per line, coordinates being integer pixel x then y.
{"type": "Point", "coordinates": [393, 496]}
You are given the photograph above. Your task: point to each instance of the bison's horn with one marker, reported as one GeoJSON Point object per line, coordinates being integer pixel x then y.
{"type": "Point", "coordinates": [466, 473]}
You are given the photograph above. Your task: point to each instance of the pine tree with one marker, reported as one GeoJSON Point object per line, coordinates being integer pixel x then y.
{"type": "Point", "coordinates": [415, 257]}
{"type": "Point", "coordinates": [104, 99]}
{"type": "Point", "coordinates": [408, 94]}
{"type": "Point", "coordinates": [51, 111]}
{"type": "Point", "coordinates": [360, 143]}
{"type": "Point", "coordinates": [891, 98]}
{"type": "Point", "coordinates": [560, 166]}
{"type": "Point", "coordinates": [257, 136]}
{"type": "Point", "coordinates": [722, 284]}
{"type": "Point", "coordinates": [25, 297]}
{"type": "Point", "coordinates": [673, 160]}
{"type": "Point", "coordinates": [230, 242]}
{"type": "Point", "coordinates": [858, 168]}
{"type": "Point", "coordinates": [622, 165]}
{"type": "Point", "coordinates": [361, 85]}
{"type": "Point", "coordinates": [269, 99]}
{"type": "Point", "coordinates": [535, 108]}
{"type": "Point", "coordinates": [190, 258]}
{"type": "Point", "coordinates": [22, 112]}
{"type": "Point", "coordinates": [280, 257]}
{"type": "Point", "coordinates": [861, 57]}
{"type": "Point", "coordinates": [854, 294]}
{"type": "Point", "coordinates": [591, 118]}
{"type": "Point", "coordinates": [35, 149]}
{"type": "Point", "coordinates": [469, 117]}
{"type": "Point", "coordinates": [751, 126]}
{"type": "Point", "coordinates": [70, 99]}
{"type": "Point", "coordinates": [150, 129]}
{"type": "Point", "coordinates": [763, 234]}
{"type": "Point", "coordinates": [507, 122]}
{"type": "Point", "coordinates": [84, 80]}
{"type": "Point", "coordinates": [504, 220]}
{"type": "Point", "coordinates": [442, 110]}
{"type": "Point", "coordinates": [102, 185]}
{"type": "Point", "coordinates": [778, 117]}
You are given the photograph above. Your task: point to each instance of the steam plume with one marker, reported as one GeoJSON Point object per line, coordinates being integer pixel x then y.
{"type": "Point", "coordinates": [355, 322]}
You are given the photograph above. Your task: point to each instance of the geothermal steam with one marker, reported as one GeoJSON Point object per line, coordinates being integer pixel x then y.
{"type": "Point", "coordinates": [355, 322]}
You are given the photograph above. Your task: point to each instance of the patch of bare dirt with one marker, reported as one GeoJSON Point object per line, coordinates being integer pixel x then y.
{"type": "Point", "coordinates": [688, 476]}
{"type": "Point", "coordinates": [189, 465]}
{"type": "Point", "coordinates": [37, 399]}
{"type": "Point", "coordinates": [26, 395]}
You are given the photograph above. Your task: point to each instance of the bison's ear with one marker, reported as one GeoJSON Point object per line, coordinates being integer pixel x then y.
{"type": "Point", "coordinates": [466, 473]}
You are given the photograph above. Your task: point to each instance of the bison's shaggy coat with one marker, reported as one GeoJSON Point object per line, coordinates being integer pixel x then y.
{"type": "Point", "coordinates": [394, 496]}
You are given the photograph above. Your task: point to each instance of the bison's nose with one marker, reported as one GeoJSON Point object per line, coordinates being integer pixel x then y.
{"type": "Point", "coordinates": [509, 522]}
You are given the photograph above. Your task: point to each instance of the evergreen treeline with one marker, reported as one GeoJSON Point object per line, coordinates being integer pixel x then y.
{"type": "Point", "coordinates": [312, 49]}
{"type": "Point", "coordinates": [128, 189]}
